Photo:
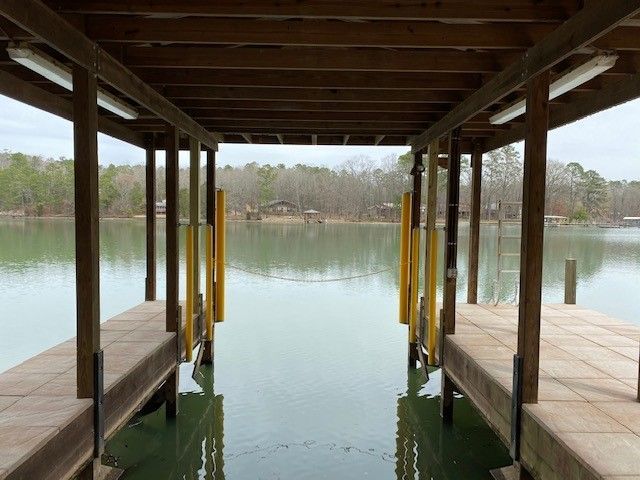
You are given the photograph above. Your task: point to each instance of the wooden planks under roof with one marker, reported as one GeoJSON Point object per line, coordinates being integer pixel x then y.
{"type": "Point", "coordinates": [359, 72]}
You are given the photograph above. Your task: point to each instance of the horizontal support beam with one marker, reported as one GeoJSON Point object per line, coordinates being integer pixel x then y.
{"type": "Point", "coordinates": [42, 22]}
{"type": "Point", "coordinates": [313, 58]}
{"type": "Point", "coordinates": [192, 106]}
{"type": "Point", "coordinates": [310, 94]}
{"type": "Point", "coordinates": [308, 79]}
{"type": "Point", "coordinates": [13, 87]}
{"type": "Point", "coordinates": [472, 10]}
{"type": "Point", "coordinates": [612, 95]}
{"type": "Point", "coordinates": [322, 33]}
{"type": "Point", "coordinates": [202, 115]}
{"type": "Point", "coordinates": [592, 22]}
{"type": "Point", "coordinates": [241, 31]}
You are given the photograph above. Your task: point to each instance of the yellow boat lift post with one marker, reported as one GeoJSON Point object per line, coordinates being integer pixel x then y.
{"type": "Point", "coordinates": [405, 240]}
{"type": "Point", "coordinates": [209, 283]}
{"type": "Point", "coordinates": [220, 254]}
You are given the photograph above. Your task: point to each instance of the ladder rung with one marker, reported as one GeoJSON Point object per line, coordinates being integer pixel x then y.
{"type": "Point", "coordinates": [509, 271]}
{"type": "Point", "coordinates": [511, 237]}
{"type": "Point", "coordinates": [509, 254]}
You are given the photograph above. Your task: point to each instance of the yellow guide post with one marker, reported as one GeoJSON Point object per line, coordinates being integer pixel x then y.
{"type": "Point", "coordinates": [415, 264]}
{"type": "Point", "coordinates": [209, 282]}
{"type": "Point", "coordinates": [220, 253]}
{"type": "Point", "coordinates": [433, 271]}
{"type": "Point", "coordinates": [188, 333]}
{"type": "Point", "coordinates": [405, 239]}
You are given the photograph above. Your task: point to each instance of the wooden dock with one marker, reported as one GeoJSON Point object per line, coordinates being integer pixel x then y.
{"type": "Point", "coordinates": [46, 432]}
{"type": "Point", "coordinates": [586, 424]}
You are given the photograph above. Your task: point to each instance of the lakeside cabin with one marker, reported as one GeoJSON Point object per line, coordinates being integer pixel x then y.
{"type": "Point", "coordinates": [463, 77]}
{"type": "Point", "coordinates": [280, 207]}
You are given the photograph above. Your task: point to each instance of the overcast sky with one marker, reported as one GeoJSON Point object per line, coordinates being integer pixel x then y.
{"type": "Point", "coordinates": [608, 142]}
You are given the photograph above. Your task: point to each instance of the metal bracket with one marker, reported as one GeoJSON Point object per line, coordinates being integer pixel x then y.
{"type": "Point", "coordinates": [98, 403]}
{"type": "Point", "coordinates": [516, 408]}
{"type": "Point", "coordinates": [452, 273]}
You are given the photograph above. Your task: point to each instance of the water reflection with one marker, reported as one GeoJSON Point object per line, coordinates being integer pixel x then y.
{"type": "Point", "coordinates": [188, 447]}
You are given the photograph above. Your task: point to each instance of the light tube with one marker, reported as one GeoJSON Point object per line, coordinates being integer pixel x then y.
{"type": "Point", "coordinates": [565, 83]}
{"type": "Point", "coordinates": [61, 75]}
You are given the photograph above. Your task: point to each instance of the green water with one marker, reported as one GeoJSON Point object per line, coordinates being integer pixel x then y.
{"type": "Point", "coordinates": [310, 378]}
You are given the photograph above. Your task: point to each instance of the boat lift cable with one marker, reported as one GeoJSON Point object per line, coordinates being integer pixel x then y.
{"type": "Point", "coordinates": [311, 280]}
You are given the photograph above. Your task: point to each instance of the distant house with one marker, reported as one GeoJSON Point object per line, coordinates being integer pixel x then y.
{"type": "Point", "coordinates": [555, 220]}
{"type": "Point", "coordinates": [161, 207]}
{"type": "Point", "coordinates": [631, 221]}
{"type": "Point", "coordinates": [280, 207]}
{"type": "Point", "coordinates": [385, 211]}
{"type": "Point", "coordinates": [312, 216]}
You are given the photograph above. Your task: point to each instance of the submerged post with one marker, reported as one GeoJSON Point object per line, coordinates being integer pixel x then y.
{"type": "Point", "coordinates": [416, 204]}
{"type": "Point", "coordinates": [451, 267]}
{"type": "Point", "coordinates": [570, 281]}
{"type": "Point", "coordinates": [207, 355]}
{"type": "Point", "coordinates": [431, 250]}
{"type": "Point", "coordinates": [173, 315]}
{"type": "Point", "coordinates": [474, 223]}
{"type": "Point", "coordinates": [89, 360]}
{"type": "Point", "coordinates": [150, 181]}
{"type": "Point", "coordinates": [526, 362]}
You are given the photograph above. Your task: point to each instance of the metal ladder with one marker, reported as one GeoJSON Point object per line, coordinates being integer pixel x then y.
{"type": "Point", "coordinates": [500, 251]}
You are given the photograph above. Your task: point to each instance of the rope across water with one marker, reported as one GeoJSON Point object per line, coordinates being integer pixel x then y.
{"type": "Point", "coordinates": [310, 280]}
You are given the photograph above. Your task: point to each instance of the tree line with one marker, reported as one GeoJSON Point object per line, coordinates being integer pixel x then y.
{"type": "Point", "coordinates": [355, 190]}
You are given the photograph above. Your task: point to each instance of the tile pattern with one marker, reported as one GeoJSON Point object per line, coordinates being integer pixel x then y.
{"type": "Point", "coordinates": [38, 397]}
{"type": "Point", "coordinates": [587, 422]}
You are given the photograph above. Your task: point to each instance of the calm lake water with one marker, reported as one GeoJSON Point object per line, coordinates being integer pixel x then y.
{"type": "Point", "coordinates": [310, 378]}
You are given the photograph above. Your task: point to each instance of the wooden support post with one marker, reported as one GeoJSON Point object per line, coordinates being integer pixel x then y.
{"type": "Point", "coordinates": [150, 284]}
{"type": "Point", "coordinates": [89, 359]}
{"type": "Point", "coordinates": [85, 113]}
{"type": "Point", "coordinates": [194, 219]}
{"type": "Point", "coordinates": [451, 267]}
{"type": "Point", "coordinates": [533, 199]}
{"type": "Point", "coordinates": [416, 199]}
{"type": "Point", "coordinates": [173, 319]}
{"type": "Point", "coordinates": [430, 226]}
{"type": "Point", "coordinates": [474, 223]}
{"type": "Point", "coordinates": [570, 281]}
{"type": "Point", "coordinates": [207, 355]}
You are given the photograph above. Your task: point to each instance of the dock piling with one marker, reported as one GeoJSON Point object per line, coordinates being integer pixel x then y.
{"type": "Point", "coordinates": [405, 219]}
{"type": "Point", "coordinates": [570, 281]}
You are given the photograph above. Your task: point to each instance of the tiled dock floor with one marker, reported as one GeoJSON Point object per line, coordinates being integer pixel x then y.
{"type": "Point", "coordinates": [587, 422]}
{"type": "Point", "coordinates": [45, 431]}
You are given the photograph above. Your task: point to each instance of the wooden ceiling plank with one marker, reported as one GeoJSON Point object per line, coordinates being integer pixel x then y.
{"type": "Point", "coordinates": [42, 22]}
{"type": "Point", "coordinates": [590, 23]}
{"type": "Point", "coordinates": [474, 10]}
{"type": "Point", "coordinates": [239, 31]}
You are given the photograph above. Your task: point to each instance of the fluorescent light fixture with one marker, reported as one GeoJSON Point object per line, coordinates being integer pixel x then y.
{"type": "Point", "coordinates": [565, 83]}
{"type": "Point", "coordinates": [44, 65]}
{"type": "Point", "coordinates": [61, 75]}
{"type": "Point", "coordinates": [115, 105]}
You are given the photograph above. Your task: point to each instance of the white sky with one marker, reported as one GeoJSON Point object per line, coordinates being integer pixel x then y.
{"type": "Point", "coordinates": [608, 142]}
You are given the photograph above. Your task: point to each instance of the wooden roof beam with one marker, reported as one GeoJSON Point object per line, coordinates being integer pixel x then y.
{"type": "Point", "coordinates": [612, 95]}
{"type": "Point", "coordinates": [314, 58]}
{"type": "Point", "coordinates": [592, 22]}
{"type": "Point", "coordinates": [24, 92]}
{"type": "Point", "coordinates": [42, 22]}
{"type": "Point", "coordinates": [471, 10]}
{"type": "Point", "coordinates": [324, 33]}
